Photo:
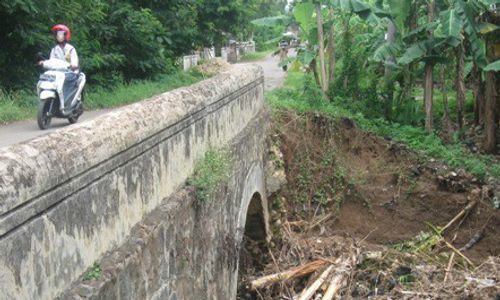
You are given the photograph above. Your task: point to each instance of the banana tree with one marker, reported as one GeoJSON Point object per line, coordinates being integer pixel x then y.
{"type": "Point", "coordinates": [311, 16]}
{"type": "Point", "coordinates": [474, 23]}
{"type": "Point", "coordinates": [456, 28]}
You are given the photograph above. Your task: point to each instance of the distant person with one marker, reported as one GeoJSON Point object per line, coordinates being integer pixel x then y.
{"type": "Point", "coordinates": [66, 52]}
{"type": "Point", "coordinates": [283, 54]}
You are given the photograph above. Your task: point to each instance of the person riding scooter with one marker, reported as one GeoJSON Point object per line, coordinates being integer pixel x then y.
{"type": "Point", "coordinates": [283, 54]}
{"type": "Point", "coordinates": [65, 52]}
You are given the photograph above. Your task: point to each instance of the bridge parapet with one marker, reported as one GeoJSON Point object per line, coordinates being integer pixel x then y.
{"type": "Point", "coordinates": [71, 196]}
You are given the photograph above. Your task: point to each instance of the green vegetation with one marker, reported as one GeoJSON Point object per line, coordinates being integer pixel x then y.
{"type": "Point", "coordinates": [17, 106]}
{"type": "Point", "coordinates": [129, 50]}
{"type": "Point", "coordinates": [373, 56]}
{"type": "Point", "coordinates": [301, 94]}
{"type": "Point", "coordinates": [120, 40]}
{"type": "Point", "coordinates": [22, 105]}
{"type": "Point", "coordinates": [260, 55]}
{"type": "Point", "coordinates": [94, 272]}
{"type": "Point", "coordinates": [270, 30]}
{"type": "Point", "coordinates": [209, 173]}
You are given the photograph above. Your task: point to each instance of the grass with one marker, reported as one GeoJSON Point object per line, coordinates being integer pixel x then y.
{"type": "Point", "coordinates": [22, 105]}
{"type": "Point", "coordinates": [301, 97]}
{"type": "Point", "coordinates": [257, 55]}
{"type": "Point", "coordinates": [93, 273]}
{"type": "Point", "coordinates": [209, 172]}
{"type": "Point", "coordinates": [438, 107]}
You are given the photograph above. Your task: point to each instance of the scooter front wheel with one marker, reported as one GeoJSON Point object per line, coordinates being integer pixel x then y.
{"type": "Point", "coordinates": [43, 116]}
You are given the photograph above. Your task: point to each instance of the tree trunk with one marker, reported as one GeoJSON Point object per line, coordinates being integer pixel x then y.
{"type": "Point", "coordinates": [218, 46]}
{"type": "Point", "coordinates": [428, 95]}
{"type": "Point", "coordinates": [447, 128]}
{"type": "Point", "coordinates": [478, 96]}
{"type": "Point", "coordinates": [490, 120]}
{"type": "Point", "coordinates": [319, 19]}
{"type": "Point", "coordinates": [391, 38]}
{"type": "Point", "coordinates": [331, 50]}
{"type": "Point", "coordinates": [389, 82]}
{"type": "Point", "coordinates": [460, 86]}
{"type": "Point", "coordinates": [428, 82]}
{"type": "Point", "coordinates": [314, 68]}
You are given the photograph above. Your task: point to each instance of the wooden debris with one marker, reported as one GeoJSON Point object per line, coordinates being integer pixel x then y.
{"type": "Point", "coordinates": [334, 287]}
{"type": "Point", "coordinates": [339, 280]}
{"type": "Point", "coordinates": [450, 262]}
{"type": "Point", "coordinates": [411, 293]}
{"type": "Point", "coordinates": [287, 275]}
{"type": "Point", "coordinates": [309, 292]}
{"type": "Point", "coordinates": [458, 252]}
{"type": "Point", "coordinates": [297, 223]}
{"type": "Point", "coordinates": [325, 218]}
{"type": "Point", "coordinates": [448, 268]}
{"type": "Point", "coordinates": [459, 215]}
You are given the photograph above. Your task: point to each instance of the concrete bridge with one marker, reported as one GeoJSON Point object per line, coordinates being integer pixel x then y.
{"type": "Point", "coordinates": [108, 198]}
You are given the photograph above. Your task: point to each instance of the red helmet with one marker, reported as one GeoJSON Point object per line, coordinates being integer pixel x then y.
{"type": "Point", "coordinates": [62, 27]}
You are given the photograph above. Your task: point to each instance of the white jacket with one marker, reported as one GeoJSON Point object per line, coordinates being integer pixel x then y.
{"type": "Point", "coordinates": [68, 54]}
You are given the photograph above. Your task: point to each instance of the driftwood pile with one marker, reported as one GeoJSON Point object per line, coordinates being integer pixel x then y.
{"type": "Point", "coordinates": [332, 276]}
{"type": "Point", "coordinates": [333, 271]}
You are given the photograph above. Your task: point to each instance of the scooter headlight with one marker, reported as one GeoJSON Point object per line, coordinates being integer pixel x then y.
{"type": "Point", "coordinates": [47, 77]}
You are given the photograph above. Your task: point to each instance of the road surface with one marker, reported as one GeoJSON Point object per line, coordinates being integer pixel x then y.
{"type": "Point", "coordinates": [26, 130]}
{"type": "Point", "coordinates": [273, 75]}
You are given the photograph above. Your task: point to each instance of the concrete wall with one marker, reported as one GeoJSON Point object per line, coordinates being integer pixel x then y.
{"type": "Point", "coordinates": [227, 54]}
{"type": "Point", "coordinates": [190, 61]}
{"type": "Point", "coordinates": [68, 198]}
{"type": "Point", "coordinates": [188, 250]}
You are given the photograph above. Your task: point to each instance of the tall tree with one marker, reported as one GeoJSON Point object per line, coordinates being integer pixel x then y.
{"type": "Point", "coordinates": [321, 39]}
{"type": "Point", "coordinates": [447, 127]}
{"type": "Point", "coordinates": [479, 88]}
{"type": "Point", "coordinates": [218, 20]}
{"type": "Point", "coordinates": [429, 67]}
{"type": "Point", "coordinates": [332, 46]}
{"type": "Point", "coordinates": [390, 61]}
{"type": "Point", "coordinates": [460, 84]}
{"type": "Point", "coordinates": [492, 92]}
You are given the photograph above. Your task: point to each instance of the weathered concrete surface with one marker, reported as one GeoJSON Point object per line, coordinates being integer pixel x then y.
{"type": "Point", "coordinates": [69, 197]}
{"type": "Point", "coordinates": [184, 250]}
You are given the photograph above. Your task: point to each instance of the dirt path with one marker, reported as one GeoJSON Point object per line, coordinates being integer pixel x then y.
{"type": "Point", "coordinates": [22, 131]}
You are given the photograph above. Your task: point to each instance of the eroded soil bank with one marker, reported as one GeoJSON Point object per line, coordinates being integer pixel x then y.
{"type": "Point", "coordinates": [349, 191]}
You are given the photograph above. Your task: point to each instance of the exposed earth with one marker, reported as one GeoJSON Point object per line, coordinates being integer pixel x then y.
{"type": "Point", "coordinates": [351, 192]}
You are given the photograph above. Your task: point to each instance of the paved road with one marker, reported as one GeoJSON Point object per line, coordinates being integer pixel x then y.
{"type": "Point", "coordinates": [26, 130]}
{"type": "Point", "coordinates": [273, 74]}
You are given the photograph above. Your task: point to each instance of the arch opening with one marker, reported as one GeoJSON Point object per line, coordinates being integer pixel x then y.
{"type": "Point", "coordinates": [254, 244]}
{"type": "Point", "coordinates": [255, 224]}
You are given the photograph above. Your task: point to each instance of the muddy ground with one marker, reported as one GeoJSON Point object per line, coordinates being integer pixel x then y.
{"type": "Point", "coordinates": [352, 191]}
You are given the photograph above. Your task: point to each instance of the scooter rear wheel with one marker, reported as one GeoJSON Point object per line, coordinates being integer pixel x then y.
{"type": "Point", "coordinates": [73, 120]}
{"type": "Point", "coordinates": [43, 116]}
{"type": "Point", "coordinates": [79, 111]}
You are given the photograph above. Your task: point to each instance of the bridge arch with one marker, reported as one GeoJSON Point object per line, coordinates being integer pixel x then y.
{"type": "Point", "coordinates": [253, 215]}
{"type": "Point", "coordinates": [255, 224]}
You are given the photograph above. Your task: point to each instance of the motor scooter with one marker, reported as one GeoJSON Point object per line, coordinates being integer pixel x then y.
{"type": "Point", "coordinates": [49, 83]}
